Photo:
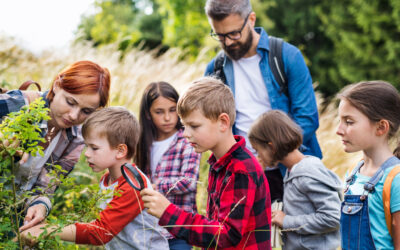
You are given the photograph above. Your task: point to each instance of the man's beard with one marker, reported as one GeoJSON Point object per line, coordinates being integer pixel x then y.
{"type": "Point", "coordinates": [237, 50]}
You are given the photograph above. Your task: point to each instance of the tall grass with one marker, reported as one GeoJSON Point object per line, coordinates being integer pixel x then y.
{"type": "Point", "coordinates": [130, 74]}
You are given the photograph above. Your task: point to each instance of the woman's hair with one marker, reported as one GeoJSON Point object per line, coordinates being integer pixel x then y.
{"type": "Point", "coordinates": [277, 128]}
{"type": "Point", "coordinates": [378, 100]}
{"type": "Point", "coordinates": [148, 129]}
{"type": "Point", "coordinates": [83, 77]}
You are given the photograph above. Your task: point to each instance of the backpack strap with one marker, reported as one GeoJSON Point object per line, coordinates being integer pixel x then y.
{"type": "Point", "coordinates": [387, 185]}
{"type": "Point", "coordinates": [25, 85]}
{"type": "Point", "coordinates": [219, 64]}
{"type": "Point", "coordinates": [276, 63]}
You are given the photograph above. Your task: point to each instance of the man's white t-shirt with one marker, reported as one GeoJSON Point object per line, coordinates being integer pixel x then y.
{"type": "Point", "coordinates": [251, 96]}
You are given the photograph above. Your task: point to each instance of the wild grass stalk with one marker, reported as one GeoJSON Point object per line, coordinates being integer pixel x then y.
{"type": "Point", "coordinates": [130, 75]}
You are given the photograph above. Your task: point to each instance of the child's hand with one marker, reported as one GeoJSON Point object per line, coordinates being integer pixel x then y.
{"type": "Point", "coordinates": [277, 217]}
{"type": "Point", "coordinates": [155, 202]}
{"type": "Point", "coordinates": [29, 236]}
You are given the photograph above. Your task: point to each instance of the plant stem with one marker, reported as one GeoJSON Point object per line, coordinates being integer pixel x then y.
{"type": "Point", "coordinates": [15, 202]}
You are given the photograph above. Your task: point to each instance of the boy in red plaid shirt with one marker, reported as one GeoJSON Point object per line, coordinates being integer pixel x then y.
{"type": "Point", "coordinates": [238, 206]}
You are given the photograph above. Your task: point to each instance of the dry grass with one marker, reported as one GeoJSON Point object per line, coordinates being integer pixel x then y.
{"type": "Point", "coordinates": [131, 74]}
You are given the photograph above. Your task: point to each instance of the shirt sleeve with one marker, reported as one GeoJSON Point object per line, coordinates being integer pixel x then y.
{"type": "Point", "coordinates": [326, 202]}
{"type": "Point", "coordinates": [395, 199]}
{"type": "Point", "coordinates": [236, 202]}
{"type": "Point", "coordinates": [184, 181]}
{"type": "Point", "coordinates": [42, 185]}
{"type": "Point", "coordinates": [12, 101]}
{"type": "Point", "coordinates": [120, 211]}
{"type": "Point", "coordinates": [210, 68]}
{"type": "Point", "coordinates": [303, 105]}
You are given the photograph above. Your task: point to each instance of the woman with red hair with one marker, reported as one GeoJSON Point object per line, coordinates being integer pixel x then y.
{"type": "Point", "coordinates": [75, 93]}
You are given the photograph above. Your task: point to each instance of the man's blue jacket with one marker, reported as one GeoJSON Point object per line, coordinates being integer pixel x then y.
{"type": "Point", "coordinates": [300, 104]}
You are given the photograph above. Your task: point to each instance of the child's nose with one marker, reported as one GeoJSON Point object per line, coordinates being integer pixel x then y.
{"type": "Point", "coordinates": [339, 130]}
{"type": "Point", "coordinates": [87, 153]}
{"type": "Point", "coordinates": [185, 133]}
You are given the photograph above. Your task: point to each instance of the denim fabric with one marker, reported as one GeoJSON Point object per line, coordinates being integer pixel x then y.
{"type": "Point", "coordinates": [354, 224]}
{"type": "Point", "coordinates": [301, 104]}
{"type": "Point", "coordinates": [372, 190]}
{"type": "Point", "coordinates": [178, 244]}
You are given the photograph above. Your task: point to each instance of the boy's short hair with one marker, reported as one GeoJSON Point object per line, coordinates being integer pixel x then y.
{"type": "Point", "coordinates": [277, 128]}
{"type": "Point", "coordinates": [118, 124]}
{"type": "Point", "coordinates": [209, 95]}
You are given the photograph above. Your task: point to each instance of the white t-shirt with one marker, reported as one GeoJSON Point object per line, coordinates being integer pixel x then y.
{"type": "Point", "coordinates": [158, 148]}
{"type": "Point", "coordinates": [251, 96]}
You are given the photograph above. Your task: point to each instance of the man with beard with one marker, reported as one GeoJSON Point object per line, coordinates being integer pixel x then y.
{"type": "Point", "coordinates": [248, 74]}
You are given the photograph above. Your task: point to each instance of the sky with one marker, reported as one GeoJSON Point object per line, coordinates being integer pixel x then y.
{"type": "Point", "coordinates": [38, 25]}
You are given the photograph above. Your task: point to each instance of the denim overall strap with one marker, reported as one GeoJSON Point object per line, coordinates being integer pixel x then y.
{"type": "Point", "coordinates": [354, 221]}
{"type": "Point", "coordinates": [370, 185]}
{"type": "Point", "coordinates": [350, 178]}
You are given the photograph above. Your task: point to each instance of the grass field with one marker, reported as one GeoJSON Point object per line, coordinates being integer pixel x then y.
{"type": "Point", "coordinates": [131, 74]}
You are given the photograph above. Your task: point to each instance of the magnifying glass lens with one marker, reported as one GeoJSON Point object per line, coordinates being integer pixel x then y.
{"type": "Point", "coordinates": [132, 176]}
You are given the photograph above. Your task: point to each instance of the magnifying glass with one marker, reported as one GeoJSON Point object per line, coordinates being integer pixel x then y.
{"type": "Point", "coordinates": [132, 176]}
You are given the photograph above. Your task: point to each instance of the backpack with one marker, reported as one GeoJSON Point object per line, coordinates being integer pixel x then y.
{"type": "Point", "coordinates": [24, 86]}
{"type": "Point", "coordinates": [274, 59]}
{"type": "Point", "coordinates": [387, 185]}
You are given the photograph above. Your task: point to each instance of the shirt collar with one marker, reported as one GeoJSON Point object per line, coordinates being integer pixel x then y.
{"type": "Point", "coordinates": [226, 158]}
{"type": "Point", "coordinates": [263, 43]}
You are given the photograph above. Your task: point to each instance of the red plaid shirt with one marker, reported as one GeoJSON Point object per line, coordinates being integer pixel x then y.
{"type": "Point", "coordinates": [238, 207]}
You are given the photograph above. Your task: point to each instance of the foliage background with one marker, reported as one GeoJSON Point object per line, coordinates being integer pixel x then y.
{"type": "Point", "coordinates": [343, 41]}
{"type": "Point", "coordinates": [141, 41]}
{"type": "Point", "coordinates": [129, 77]}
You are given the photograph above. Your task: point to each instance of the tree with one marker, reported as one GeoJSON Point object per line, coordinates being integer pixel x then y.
{"type": "Point", "coordinates": [124, 22]}
{"type": "Point", "coordinates": [343, 42]}
{"type": "Point", "coordinates": [185, 24]}
{"type": "Point", "coordinates": [365, 37]}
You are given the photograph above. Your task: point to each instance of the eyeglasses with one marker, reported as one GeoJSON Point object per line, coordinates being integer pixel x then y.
{"type": "Point", "coordinates": [233, 35]}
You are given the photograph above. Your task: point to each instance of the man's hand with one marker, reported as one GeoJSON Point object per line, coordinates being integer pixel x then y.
{"type": "Point", "coordinates": [277, 218]}
{"type": "Point", "coordinates": [35, 215]}
{"type": "Point", "coordinates": [154, 201]}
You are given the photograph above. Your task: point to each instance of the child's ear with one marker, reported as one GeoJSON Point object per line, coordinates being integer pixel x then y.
{"type": "Point", "coordinates": [225, 122]}
{"type": "Point", "coordinates": [271, 147]}
{"type": "Point", "coordinates": [122, 151]}
{"type": "Point", "coordinates": [382, 127]}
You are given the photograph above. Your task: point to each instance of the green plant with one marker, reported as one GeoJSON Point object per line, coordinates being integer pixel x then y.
{"type": "Point", "coordinates": [20, 133]}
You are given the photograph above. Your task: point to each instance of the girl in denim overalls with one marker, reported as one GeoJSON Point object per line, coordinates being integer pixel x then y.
{"type": "Point", "coordinates": [369, 116]}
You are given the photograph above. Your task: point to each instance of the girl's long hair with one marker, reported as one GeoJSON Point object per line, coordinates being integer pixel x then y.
{"type": "Point", "coordinates": [148, 129]}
